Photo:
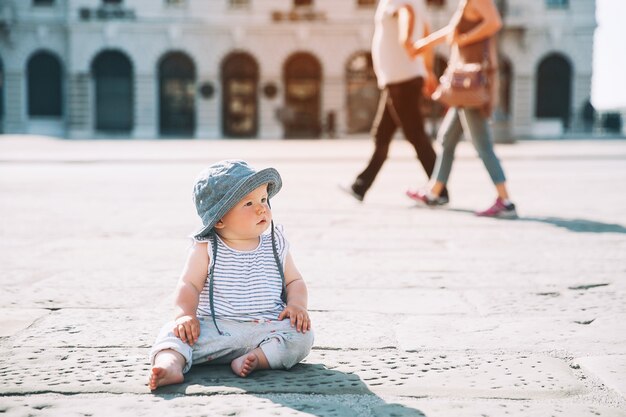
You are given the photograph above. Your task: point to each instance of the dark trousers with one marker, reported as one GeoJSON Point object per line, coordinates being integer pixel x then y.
{"type": "Point", "coordinates": [399, 106]}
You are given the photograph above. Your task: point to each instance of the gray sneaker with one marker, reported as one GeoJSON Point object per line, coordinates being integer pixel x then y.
{"type": "Point", "coordinates": [349, 189]}
{"type": "Point", "coordinates": [422, 197]}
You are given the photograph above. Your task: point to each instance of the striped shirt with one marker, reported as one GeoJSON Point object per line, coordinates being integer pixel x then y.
{"type": "Point", "coordinates": [247, 284]}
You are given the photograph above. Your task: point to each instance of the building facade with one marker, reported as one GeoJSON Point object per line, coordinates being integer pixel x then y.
{"type": "Point", "coordinates": [258, 68]}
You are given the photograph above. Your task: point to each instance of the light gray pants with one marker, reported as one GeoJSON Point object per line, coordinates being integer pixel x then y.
{"type": "Point", "coordinates": [469, 121]}
{"type": "Point", "coordinates": [282, 345]}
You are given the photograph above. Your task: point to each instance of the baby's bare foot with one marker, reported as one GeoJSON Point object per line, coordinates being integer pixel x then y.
{"type": "Point", "coordinates": [164, 376]}
{"type": "Point", "coordinates": [166, 370]}
{"type": "Point", "coordinates": [245, 364]}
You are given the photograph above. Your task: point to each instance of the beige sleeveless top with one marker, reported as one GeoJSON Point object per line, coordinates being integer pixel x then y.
{"type": "Point", "coordinates": [474, 52]}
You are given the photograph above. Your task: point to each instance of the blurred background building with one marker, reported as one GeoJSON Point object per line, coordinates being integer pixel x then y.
{"type": "Point", "coordinates": [260, 68]}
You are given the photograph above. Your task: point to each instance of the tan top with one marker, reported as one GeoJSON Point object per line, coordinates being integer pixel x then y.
{"type": "Point", "coordinates": [474, 52]}
{"type": "Point", "coordinates": [478, 52]}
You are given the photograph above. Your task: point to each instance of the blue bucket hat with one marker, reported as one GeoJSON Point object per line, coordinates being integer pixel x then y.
{"type": "Point", "coordinates": [219, 187]}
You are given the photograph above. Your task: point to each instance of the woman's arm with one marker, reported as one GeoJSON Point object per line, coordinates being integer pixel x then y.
{"type": "Point", "coordinates": [490, 25]}
{"type": "Point", "coordinates": [432, 40]}
{"type": "Point", "coordinates": [406, 24]}
{"type": "Point", "coordinates": [440, 36]}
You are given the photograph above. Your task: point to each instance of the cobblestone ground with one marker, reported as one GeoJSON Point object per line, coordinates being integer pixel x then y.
{"type": "Point", "coordinates": [417, 311]}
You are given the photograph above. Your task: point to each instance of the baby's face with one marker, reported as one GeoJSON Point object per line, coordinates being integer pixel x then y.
{"type": "Point", "coordinates": [249, 218]}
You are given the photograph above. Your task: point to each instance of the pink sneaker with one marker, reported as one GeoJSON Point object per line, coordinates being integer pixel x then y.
{"type": "Point", "coordinates": [499, 210]}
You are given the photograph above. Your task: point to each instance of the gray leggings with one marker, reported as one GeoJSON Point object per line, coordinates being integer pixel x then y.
{"type": "Point", "coordinates": [469, 121]}
{"type": "Point", "coordinates": [282, 344]}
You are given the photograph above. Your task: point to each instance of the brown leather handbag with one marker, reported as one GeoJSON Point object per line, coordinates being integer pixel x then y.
{"type": "Point", "coordinates": [465, 85]}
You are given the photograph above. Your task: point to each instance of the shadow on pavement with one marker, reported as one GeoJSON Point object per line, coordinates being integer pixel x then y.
{"type": "Point", "coordinates": [308, 388]}
{"type": "Point", "coordinates": [573, 225]}
{"type": "Point", "coordinates": [578, 225]}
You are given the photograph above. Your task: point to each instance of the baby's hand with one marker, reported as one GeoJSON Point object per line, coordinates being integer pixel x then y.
{"type": "Point", "coordinates": [187, 329]}
{"type": "Point", "coordinates": [299, 317]}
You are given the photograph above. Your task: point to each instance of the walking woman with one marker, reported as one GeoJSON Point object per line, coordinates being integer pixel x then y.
{"type": "Point", "coordinates": [470, 34]}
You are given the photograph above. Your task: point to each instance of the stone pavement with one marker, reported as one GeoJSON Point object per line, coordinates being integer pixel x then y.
{"type": "Point", "coordinates": [417, 311]}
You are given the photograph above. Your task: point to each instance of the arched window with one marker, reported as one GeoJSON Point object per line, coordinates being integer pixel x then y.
{"type": "Point", "coordinates": [302, 75]}
{"type": "Point", "coordinates": [362, 92]}
{"type": "Point", "coordinates": [554, 88]}
{"type": "Point", "coordinates": [240, 78]}
{"type": "Point", "coordinates": [44, 85]}
{"type": "Point", "coordinates": [557, 4]}
{"type": "Point", "coordinates": [177, 95]}
{"type": "Point", "coordinates": [112, 74]}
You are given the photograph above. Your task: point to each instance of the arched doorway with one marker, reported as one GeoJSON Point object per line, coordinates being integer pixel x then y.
{"type": "Point", "coordinates": [112, 73]}
{"type": "Point", "coordinates": [240, 77]}
{"type": "Point", "coordinates": [44, 83]}
{"type": "Point", "coordinates": [177, 95]}
{"type": "Point", "coordinates": [554, 89]}
{"type": "Point", "coordinates": [362, 92]}
{"type": "Point", "coordinates": [303, 80]}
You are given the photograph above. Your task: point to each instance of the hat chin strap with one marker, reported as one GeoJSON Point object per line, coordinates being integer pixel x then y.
{"type": "Point", "coordinates": [214, 242]}
{"type": "Point", "coordinates": [279, 265]}
{"type": "Point", "coordinates": [283, 294]}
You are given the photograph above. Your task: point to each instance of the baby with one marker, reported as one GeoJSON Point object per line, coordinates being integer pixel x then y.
{"type": "Point", "coordinates": [240, 298]}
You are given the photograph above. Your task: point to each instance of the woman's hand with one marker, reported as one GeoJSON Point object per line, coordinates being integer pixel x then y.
{"type": "Point", "coordinates": [187, 329]}
{"type": "Point", "coordinates": [299, 317]}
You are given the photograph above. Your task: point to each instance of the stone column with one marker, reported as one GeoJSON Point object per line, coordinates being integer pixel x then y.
{"type": "Point", "coordinates": [270, 126]}
{"type": "Point", "coordinates": [146, 107]}
{"type": "Point", "coordinates": [14, 110]}
{"type": "Point", "coordinates": [80, 106]}
{"type": "Point", "coordinates": [334, 99]}
{"type": "Point", "coordinates": [580, 94]}
{"type": "Point", "coordinates": [523, 106]}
